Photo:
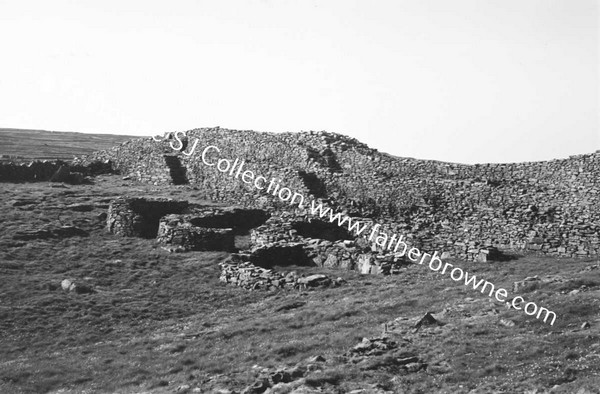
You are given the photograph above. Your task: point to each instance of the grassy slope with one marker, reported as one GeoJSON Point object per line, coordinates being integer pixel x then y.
{"type": "Point", "coordinates": [41, 144]}
{"type": "Point", "coordinates": [161, 320]}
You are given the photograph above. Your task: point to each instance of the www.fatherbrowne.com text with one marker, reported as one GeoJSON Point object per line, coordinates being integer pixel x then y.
{"type": "Point", "coordinates": [394, 244]}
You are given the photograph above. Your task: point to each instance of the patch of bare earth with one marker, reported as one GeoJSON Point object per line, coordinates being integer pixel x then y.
{"type": "Point", "coordinates": [151, 321]}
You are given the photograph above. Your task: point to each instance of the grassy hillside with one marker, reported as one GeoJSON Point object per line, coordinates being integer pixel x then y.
{"type": "Point", "coordinates": [145, 320]}
{"type": "Point", "coordinates": [162, 323]}
{"type": "Point", "coordinates": [21, 145]}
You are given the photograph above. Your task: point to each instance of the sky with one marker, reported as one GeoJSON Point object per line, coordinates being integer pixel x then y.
{"type": "Point", "coordinates": [468, 81]}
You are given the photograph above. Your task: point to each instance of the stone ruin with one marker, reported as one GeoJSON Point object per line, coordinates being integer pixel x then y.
{"type": "Point", "coordinates": [288, 237]}
{"type": "Point", "coordinates": [464, 211]}
{"type": "Point", "coordinates": [180, 230]}
{"type": "Point", "coordinates": [179, 223]}
{"type": "Point", "coordinates": [277, 239]}
{"type": "Point", "coordinates": [140, 217]}
{"type": "Point", "coordinates": [208, 229]}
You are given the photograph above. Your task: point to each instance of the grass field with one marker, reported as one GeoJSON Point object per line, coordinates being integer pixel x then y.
{"type": "Point", "coordinates": [158, 322]}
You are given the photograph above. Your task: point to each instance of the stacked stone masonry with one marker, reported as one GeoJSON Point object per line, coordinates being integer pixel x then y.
{"type": "Point", "coordinates": [178, 230]}
{"type": "Point", "coordinates": [171, 222]}
{"type": "Point", "coordinates": [278, 240]}
{"type": "Point", "coordinates": [275, 242]}
{"type": "Point", "coordinates": [464, 211]}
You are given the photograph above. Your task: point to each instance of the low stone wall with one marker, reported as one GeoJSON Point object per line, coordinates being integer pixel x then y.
{"type": "Point", "coordinates": [251, 277]}
{"type": "Point", "coordinates": [54, 171]}
{"type": "Point", "coordinates": [177, 230]}
{"type": "Point", "coordinates": [139, 217]}
{"type": "Point", "coordinates": [189, 226]}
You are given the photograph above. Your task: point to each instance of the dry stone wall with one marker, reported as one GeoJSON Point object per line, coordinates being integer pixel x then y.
{"type": "Point", "coordinates": [178, 230]}
{"type": "Point", "coordinates": [180, 223]}
{"type": "Point", "coordinates": [464, 211]}
{"type": "Point", "coordinates": [55, 171]}
{"type": "Point", "coordinates": [139, 217]}
{"type": "Point", "coordinates": [208, 228]}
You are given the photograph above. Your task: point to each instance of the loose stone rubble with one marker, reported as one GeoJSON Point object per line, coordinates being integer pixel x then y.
{"type": "Point", "coordinates": [374, 353]}
{"type": "Point", "coordinates": [251, 277]}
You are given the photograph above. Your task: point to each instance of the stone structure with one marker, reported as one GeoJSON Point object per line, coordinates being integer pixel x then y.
{"type": "Point", "coordinates": [139, 217]}
{"type": "Point", "coordinates": [171, 222]}
{"type": "Point", "coordinates": [275, 242]}
{"type": "Point", "coordinates": [461, 210]}
{"type": "Point", "coordinates": [312, 241]}
{"type": "Point", "coordinates": [208, 228]}
{"type": "Point", "coordinates": [178, 230]}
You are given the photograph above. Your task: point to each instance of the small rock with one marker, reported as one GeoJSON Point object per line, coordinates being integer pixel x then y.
{"type": "Point", "coordinates": [315, 280]}
{"type": "Point", "coordinates": [427, 320]}
{"type": "Point", "coordinates": [259, 387]}
{"type": "Point", "coordinates": [316, 359]}
{"type": "Point", "coordinates": [507, 323]}
{"type": "Point", "coordinates": [585, 325]}
{"type": "Point", "coordinates": [407, 361]}
{"type": "Point", "coordinates": [66, 285]}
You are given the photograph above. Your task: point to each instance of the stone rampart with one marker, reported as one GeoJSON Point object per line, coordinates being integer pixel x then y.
{"type": "Point", "coordinates": [465, 211]}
